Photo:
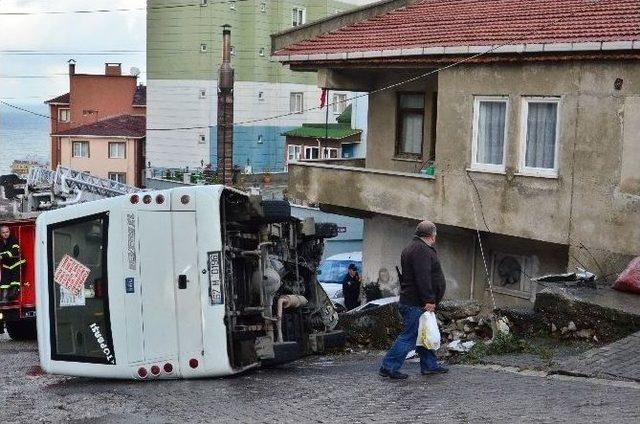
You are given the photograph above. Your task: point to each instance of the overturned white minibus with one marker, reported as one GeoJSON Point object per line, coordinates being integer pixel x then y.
{"type": "Point", "coordinates": [183, 283]}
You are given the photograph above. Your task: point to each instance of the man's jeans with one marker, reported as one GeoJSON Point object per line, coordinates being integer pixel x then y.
{"type": "Point", "coordinates": [406, 342]}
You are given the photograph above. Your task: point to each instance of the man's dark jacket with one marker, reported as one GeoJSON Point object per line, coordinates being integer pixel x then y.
{"type": "Point", "coordinates": [422, 279]}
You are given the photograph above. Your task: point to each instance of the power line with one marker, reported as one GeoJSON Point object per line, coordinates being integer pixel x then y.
{"type": "Point", "coordinates": [58, 53]}
{"type": "Point", "coordinates": [398, 84]}
{"type": "Point", "coordinates": [388, 87]}
{"type": "Point", "coordinates": [24, 110]}
{"type": "Point", "coordinates": [122, 9]}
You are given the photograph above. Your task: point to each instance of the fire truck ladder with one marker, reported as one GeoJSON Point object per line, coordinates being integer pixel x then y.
{"type": "Point", "coordinates": [66, 186]}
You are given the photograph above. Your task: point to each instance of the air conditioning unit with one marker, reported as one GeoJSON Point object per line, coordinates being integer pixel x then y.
{"type": "Point", "coordinates": [510, 273]}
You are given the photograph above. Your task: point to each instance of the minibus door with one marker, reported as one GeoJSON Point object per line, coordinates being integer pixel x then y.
{"type": "Point", "coordinates": [158, 295]}
{"type": "Point", "coordinates": [188, 293]}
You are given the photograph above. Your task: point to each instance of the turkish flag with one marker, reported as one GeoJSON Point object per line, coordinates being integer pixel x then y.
{"type": "Point", "coordinates": [323, 98]}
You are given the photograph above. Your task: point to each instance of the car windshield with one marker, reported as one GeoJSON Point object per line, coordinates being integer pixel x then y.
{"type": "Point", "coordinates": [334, 271]}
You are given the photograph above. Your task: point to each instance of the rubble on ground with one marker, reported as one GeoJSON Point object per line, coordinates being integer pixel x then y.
{"type": "Point", "coordinates": [377, 327]}
{"type": "Point", "coordinates": [602, 315]}
{"type": "Point", "coordinates": [374, 328]}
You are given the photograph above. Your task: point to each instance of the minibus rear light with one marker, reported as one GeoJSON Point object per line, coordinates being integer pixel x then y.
{"type": "Point", "coordinates": [168, 368]}
{"type": "Point", "coordinates": [185, 199]}
{"type": "Point", "coordinates": [159, 199]}
{"type": "Point", "coordinates": [146, 199]}
{"type": "Point", "coordinates": [155, 370]}
{"type": "Point", "coordinates": [193, 363]}
{"type": "Point", "coordinates": [134, 199]}
{"type": "Point", "coordinates": [142, 372]}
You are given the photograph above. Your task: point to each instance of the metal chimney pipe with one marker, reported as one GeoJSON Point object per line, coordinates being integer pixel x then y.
{"type": "Point", "coordinates": [225, 111]}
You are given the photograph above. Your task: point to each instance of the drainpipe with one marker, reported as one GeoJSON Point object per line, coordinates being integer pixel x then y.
{"type": "Point", "coordinates": [225, 111]}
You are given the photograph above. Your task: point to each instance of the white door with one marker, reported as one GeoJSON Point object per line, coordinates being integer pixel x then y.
{"type": "Point", "coordinates": [188, 293]}
{"type": "Point", "coordinates": [157, 287]}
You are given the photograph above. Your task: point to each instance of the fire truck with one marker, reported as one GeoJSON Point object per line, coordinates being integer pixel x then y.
{"type": "Point", "coordinates": [21, 201]}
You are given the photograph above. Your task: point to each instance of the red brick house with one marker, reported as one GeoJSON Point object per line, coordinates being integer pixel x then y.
{"type": "Point", "coordinates": [90, 113]}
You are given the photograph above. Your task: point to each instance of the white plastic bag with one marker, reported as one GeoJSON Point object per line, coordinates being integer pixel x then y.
{"type": "Point", "coordinates": [428, 332]}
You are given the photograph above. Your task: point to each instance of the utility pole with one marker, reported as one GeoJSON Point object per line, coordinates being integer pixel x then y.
{"type": "Point", "coordinates": [225, 111]}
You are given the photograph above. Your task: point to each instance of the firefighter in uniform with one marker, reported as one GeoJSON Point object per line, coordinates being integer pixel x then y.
{"type": "Point", "coordinates": [11, 266]}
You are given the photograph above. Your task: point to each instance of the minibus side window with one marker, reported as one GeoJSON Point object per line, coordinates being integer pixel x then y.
{"type": "Point", "coordinates": [78, 291]}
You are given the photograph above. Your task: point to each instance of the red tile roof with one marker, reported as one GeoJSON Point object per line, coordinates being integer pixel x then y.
{"type": "Point", "coordinates": [119, 126]}
{"type": "Point", "coordinates": [63, 98]}
{"type": "Point", "coordinates": [448, 23]}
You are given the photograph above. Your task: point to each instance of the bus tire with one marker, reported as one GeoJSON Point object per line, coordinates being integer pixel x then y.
{"type": "Point", "coordinates": [21, 330]}
{"type": "Point", "coordinates": [276, 210]}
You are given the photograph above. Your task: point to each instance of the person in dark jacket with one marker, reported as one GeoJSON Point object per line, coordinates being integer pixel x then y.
{"type": "Point", "coordinates": [422, 286]}
{"type": "Point", "coordinates": [11, 263]}
{"type": "Point", "coordinates": [351, 288]}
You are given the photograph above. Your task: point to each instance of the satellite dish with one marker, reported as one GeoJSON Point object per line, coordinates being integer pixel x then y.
{"type": "Point", "coordinates": [134, 71]}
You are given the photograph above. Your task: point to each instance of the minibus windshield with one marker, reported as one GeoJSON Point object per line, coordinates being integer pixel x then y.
{"type": "Point", "coordinates": [78, 291]}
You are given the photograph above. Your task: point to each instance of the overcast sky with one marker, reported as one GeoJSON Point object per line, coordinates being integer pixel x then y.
{"type": "Point", "coordinates": [51, 40]}
{"type": "Point", "coordinates": [66, 34]}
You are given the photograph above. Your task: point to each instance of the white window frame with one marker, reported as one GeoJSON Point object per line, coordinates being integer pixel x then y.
{"type": "Point", "coordinates": [124, 150]}
{"type": "Point", "coordinates": [308, 149]}
{"type": "Point", "coordinates": [111, 176]}
{"type": "Point", "coordinates": [261, 51]}
{"type": "Point", "coordinates": [294, 151]}
{"type": "Point", "coordinates": [339, 106]}
{"type": "Point", "coordinates": [326, 153]}
{"type": "Point", "coordinates": [488, 167]}
{"type": "Point", "coordinates": [202, 93]}
{"type": "Point", "coordinates": [298, 16]}
{"type": "Point", "coordinates": [202, 139]}
{"type": "Point", "coordinates": [528, 170]}
{"type": "Point", "coordinates": [68, 114]}
{"type": "Point", "coordinates": [83, 143]}
{"type": "Point", "coordinates": [300, 104]}
{"type": "Point", "coordinates": [261, 96]}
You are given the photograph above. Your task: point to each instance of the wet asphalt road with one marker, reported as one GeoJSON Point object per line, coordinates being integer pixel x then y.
{"type": "Point", "coordinates": [342, 388]}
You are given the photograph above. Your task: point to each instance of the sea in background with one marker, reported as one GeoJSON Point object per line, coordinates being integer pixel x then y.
{"type": "Point", "coordinates": [23, 135]}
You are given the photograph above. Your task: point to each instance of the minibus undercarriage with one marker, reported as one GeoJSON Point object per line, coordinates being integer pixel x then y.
{"type": "Point", "coordinates": [275, 309]}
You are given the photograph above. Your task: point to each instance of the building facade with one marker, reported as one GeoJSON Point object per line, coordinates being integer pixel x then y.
{"type": "Point", "coordinates": [112, 148]}
{"type": "Point", "coordinates": [535, 143]}
{"type": "Point", "coordinates": [183, 56]}
{"type": "Point", "coordinates": [100, 107]}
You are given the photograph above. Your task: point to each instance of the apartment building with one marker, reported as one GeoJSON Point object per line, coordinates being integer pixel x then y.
{"type": "Point", "coordinates": [529, 114]}
{"type": "Point", "coordinates": [99, 125]}
{"type": "Point", "coordinates": [183, 55]}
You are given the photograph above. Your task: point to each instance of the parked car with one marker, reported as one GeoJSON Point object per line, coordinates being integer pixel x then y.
{"type": "Point", "coordinates": [332, 271]}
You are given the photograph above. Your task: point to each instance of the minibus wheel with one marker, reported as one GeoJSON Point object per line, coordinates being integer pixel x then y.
{"type": "Point", "coordinates": [276, 210]}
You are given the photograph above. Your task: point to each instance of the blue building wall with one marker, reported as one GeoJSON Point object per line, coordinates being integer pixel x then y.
{"type": "Point", "coordinates": [262, 146]}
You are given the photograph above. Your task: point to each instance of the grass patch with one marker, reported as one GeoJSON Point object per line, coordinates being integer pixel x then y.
{"type": "Point", "coordinates": [504, 344]}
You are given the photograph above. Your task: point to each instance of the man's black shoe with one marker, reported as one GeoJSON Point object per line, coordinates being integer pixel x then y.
{"type": "Point", "coordinates": [383, 372]}
{"type": "Point", "coordinates": [395, 375]}
{"type": "Point", "coordinates": [439, 370]}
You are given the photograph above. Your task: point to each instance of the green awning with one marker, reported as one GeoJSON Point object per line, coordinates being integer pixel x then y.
{"type": "Point", "coordinates": [334, 132]}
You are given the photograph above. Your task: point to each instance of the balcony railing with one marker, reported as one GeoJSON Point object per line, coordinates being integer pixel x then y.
{"type": "Point", "coordinates": [339, 186]}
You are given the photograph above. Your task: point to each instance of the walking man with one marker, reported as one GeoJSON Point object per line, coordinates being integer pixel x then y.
{"type": "Point", "coordinates": [422, 286]}
{"type": "Point", "coordinates": [11, 263]}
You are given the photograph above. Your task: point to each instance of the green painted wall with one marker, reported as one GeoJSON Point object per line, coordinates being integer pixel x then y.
{"type": "Point", "coordinates": [174, 36]}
